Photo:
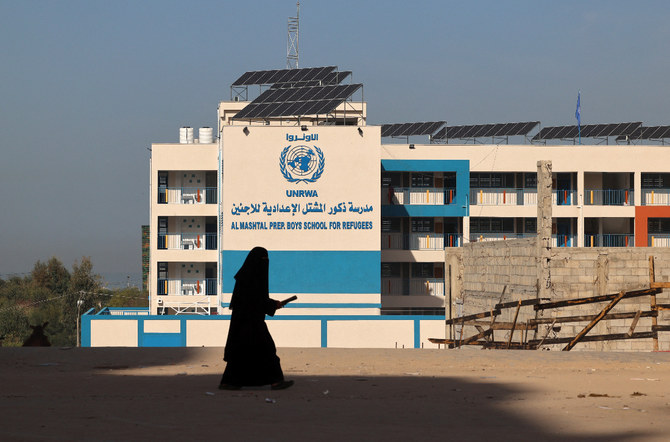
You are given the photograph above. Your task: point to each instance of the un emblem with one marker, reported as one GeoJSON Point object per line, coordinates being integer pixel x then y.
{"type": "Point", "coordinates": [301, 163]}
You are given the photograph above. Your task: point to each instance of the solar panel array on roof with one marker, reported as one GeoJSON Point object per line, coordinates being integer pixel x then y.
{"type": "Point", "coordinates": [279, 76]}
{"type": "Point", "coordinates": [407, 129]}
{"type": "Point", "coordinates": [587, 131]}
{"type": "Point", "coordinates": [310, 100]}
{"type": "Point", "coordinates": [486, 130]}
{"type": "Point", "coordinates": [647, 133]}
{"type": "Point", "coordinates": [329, 79]}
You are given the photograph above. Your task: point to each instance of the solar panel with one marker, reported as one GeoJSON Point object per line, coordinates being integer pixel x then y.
{"type": "Point", "coordinates": [587, 131]}
{"type": "Point", "coordinates": [647, 133]}
{"type": "Point", "coordinates": [283, 76]}
{"type": "Point", "coordinates": [485, 130]}
{"type": "Point", "coordinates": [310, 100]}
{"type": "Point", "coordinates": [408, 129]}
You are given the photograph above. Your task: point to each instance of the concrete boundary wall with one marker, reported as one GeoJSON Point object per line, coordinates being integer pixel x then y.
{"type": "Point", "coordinates": [140, 330]}
{"type": "Point", "coordinates": [480, 271]}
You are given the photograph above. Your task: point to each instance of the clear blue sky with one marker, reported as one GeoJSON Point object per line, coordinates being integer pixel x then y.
{"type": "Point", "coordinates": [87, 86]}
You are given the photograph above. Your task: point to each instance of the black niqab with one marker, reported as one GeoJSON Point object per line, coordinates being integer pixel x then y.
{"type": "Point", "coordinates": [250, 352]}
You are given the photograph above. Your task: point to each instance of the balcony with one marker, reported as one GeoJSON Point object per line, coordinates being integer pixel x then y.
{"type": "Point", "coordinates": [609, 240]}
{"type": "Point", "coordinates": [420, 241]}
{"type": "Point", "coordinates": [502, 197]}
{"type": "Point", "coordinates": [187, 287]}
{"type": "Point", "coordinates": [499, 236]}
{"type": "Point", "coordinates": [518, 197]}
{"type": "Point", "coordinates": [656, 197]}
{"type": "Point", "coordinates": [563, 241]}
{"type": "Point", "coordinates": [431, 196]}
{"type": "Point", "coordinates": [609, 197]}
{"type": "Point", "coordinates": [412, 287]}
{"type": "Point", "coordinates": [187, 195]}
{"type": "Point", "coordinates": [187, 241]}
{"type": "Point", "coordinates": [658, 240]}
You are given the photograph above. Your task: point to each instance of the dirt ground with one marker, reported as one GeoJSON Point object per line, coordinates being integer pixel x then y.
{"type": "Point", "coordinates": [340, 394]}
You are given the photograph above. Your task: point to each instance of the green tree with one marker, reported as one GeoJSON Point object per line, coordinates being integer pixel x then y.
{"type": "Point", "coordinates": [13, 326]}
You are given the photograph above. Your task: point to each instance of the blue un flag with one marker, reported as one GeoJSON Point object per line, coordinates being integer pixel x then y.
{"type": "Point", "coordinates": [578, 112]}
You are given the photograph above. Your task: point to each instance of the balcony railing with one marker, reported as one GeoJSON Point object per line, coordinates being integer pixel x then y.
{"type": "Point", "coordinates": [187, 241]}
{"type": "Point", "coordinates": [609, 240]}
{"type": "Point", "coordinates": [656, 197]}
{"type": "Point", "coordinates": [518, 197]}
{"type": "Point", "coordinates": [658, 240]}
{"type": "Point", "coordinates": [564, 197]}
{"type": "Point", "coordinates": [499, 196]}
{"type": "Point", "coordinates": [498, 236]}
{"type": "Point", "coordinates": [413, 287]}
{"type": "Point", "coordinates": [432, 196]}
{"type": "Point", "coordinates": [420, 241]}
{"type": "Point", "coordinates": [609, 197]}
{"type": "Point", "coordinates": [563, 241]}
{"type": "Point", "coordinates": [187, 287]}
{"type": "Point", "coordinates": [187, 195]}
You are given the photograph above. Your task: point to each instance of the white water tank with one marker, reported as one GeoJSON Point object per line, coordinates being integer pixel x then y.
{"type": "Point", "coordinates": [206, 135]}
{"type": "Point", "coordinates": [186, 135]}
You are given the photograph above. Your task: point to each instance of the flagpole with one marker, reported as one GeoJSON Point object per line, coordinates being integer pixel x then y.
{"type": "Point", "coordinates": [578, 116]}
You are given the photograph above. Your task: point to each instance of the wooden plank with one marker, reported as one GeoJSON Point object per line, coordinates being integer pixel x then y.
{"type": "Point", "coordinates": [593, 323]}
{"type": "Point", "coordinates": [497, 345]}
{"type": "Point", "coordinates": [660, 285]}
{"type": "Point", "coordinates": [465, 319]}
{"type": "Point", "coordinates": [658, 328]}
{"type": "Point", "coordinates": [662, 306]}
{"type": "Point", "coordinates": [610, 337]}
{"type": "Point", "coordinates": [440, 340]}
{"type": "Point", "coordinates": [652, 299]}
{"type": "Point", "coordinates": [476, 337]}
{"type": "Point", "coordinates": [505, 325]}
{"type": "Point", "coordinates": [594, 299]}
{"type": "Point", "coordinates": [634, 323]}
{"type": "Point", "coordinates": [515, 303]}
{"type": "Point", "coordinates": [581, 318]}
{"type": "Point", "coordinates": [546, 334]}
{"type": "Point", "coordinates": [516, 316]}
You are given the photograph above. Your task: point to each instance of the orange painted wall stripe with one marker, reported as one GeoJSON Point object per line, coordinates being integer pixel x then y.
{"type": "Point", "coordinates": [642, 215]}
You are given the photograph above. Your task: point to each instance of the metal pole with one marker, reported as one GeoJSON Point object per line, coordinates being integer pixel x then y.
{"type": "Point", "coordinates": [79, 303]}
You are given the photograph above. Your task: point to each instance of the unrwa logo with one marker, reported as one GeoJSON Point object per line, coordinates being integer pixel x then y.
{"type": "Point", "coordinates": [301, 163]}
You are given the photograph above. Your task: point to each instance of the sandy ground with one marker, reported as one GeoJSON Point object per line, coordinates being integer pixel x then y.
{"type": "Point", "coordinates": [340, 394]}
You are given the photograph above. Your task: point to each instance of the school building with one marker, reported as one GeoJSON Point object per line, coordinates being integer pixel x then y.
{"type": "Point", "coordinates": [357, 217]}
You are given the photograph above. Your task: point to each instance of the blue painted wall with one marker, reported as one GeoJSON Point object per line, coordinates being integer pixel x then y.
{"type": "Point", "coordinates": [179, 339]}
{"type": "Point", "coordinates": [459, 207]}
{"type": "Point", "coordinates": [312, 271]}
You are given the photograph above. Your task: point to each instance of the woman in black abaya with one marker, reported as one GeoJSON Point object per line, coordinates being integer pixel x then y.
{"type": "Point", "coordinates": [250, 352]}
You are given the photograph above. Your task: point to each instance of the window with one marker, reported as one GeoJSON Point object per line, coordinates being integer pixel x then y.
{"type": "Point", "coordinates": [392, 179]}
{"type": "Point", "coordinates": [162, 187]}
{"type": "Point", "coordinates": [530, 225]}
{"type": "Point", "coordinates": [530, 180]}
{"type": "Point", "coordinates": [491, 180]}
{"type": "Point", "coordinates": [162, 232]}
{"type": "Point", "coordinates": [422, 270]}
{"type": "Point", "coordinates": [422, 225]}
{"type": "Point", "coordinates": [391, 224]}
{"type": "Point", "coordinates": [422, 179]}
{"type": "Point", "coordinates": [658, 225]}
{"type": "Point", "coordinates": [491, 225]}
{"type": "Point", "coordinates": [655, 180]}
{"type": "Point", "coordinates": [391, 270]}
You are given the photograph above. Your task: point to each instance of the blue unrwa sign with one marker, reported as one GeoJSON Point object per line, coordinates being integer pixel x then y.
{"type": "Point", "coordinates": [313, 201]}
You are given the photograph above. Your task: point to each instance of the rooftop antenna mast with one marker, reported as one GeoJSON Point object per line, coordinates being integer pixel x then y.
{"type": "Point", "coordinates": [292, 40]}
